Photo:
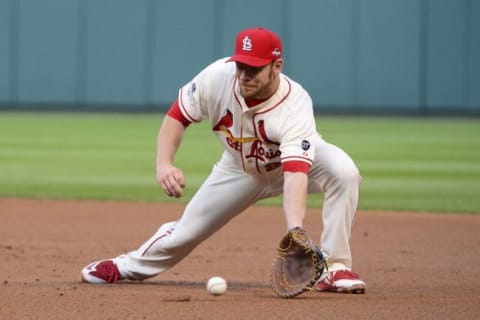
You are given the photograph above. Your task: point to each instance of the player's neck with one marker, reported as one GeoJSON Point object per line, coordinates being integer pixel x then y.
{"type": "Point", "coordinates": [254, 102]}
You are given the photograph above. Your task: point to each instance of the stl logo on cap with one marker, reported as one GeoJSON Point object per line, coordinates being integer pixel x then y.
{"type": "Point", "coordinates": [247, 44]}
{"type": "Point", "coordinates": [257, 47]}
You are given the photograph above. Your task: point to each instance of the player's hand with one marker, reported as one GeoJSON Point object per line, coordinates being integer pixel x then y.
{"type": "Point", "coordinates": [171, 179]}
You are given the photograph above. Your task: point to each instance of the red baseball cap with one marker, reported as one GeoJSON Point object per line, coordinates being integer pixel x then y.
{"type": "Point", "coordinates": [257, 47]}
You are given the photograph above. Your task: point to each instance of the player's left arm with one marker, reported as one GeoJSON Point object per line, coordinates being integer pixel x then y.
{"type": "Point", "coordinates": [297, 149]}
{"type": "Point", "coordinates": [295, 198]}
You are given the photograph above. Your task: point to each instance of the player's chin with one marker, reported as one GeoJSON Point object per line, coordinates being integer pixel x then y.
{"type": "Point", "coordinates": [248, 92]}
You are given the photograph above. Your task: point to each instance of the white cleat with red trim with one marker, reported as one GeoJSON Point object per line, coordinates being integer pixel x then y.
{"type": "Point", "coordinates": [103, 271]}
{"type": "Point", "coordinates": [343, 281]}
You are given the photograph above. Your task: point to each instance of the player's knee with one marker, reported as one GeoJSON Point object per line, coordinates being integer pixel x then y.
{"type": "Point", "coordinates": [187, 236]}
{"type": "Point", "coordinates": [348, 177]}
{"type": "Point", "coordinates": [173, 236]}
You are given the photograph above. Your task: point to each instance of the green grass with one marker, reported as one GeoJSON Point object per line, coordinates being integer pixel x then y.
{"type": "Point", "coordinates": [413, 163]}
{"type": "Point", "coordinates": [407, 163]}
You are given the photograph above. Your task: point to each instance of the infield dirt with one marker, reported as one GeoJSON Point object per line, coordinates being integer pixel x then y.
{"type": "Point", "coordinates": [416, 265]}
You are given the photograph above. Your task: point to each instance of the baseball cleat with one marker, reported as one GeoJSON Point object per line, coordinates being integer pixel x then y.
{"type": "Point", "coordinates": [103, 271]}
{"type": "Point", "coordinates": [343, 281]}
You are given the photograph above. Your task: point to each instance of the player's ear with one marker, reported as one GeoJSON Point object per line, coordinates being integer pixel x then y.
{"type": "Point", "coordinates": [278, 65]}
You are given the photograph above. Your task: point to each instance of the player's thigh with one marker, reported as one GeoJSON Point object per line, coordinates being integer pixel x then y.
{"type": "Point", "coordinates": [331, 165]}
{"type": "Point", "coordinates": [223, 195]}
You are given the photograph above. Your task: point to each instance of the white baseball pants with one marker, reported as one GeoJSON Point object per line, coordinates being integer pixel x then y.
{"type": "Point", "coordinates": [228, 191]}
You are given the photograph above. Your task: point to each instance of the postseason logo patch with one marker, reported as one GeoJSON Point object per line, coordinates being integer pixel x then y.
{"type": "Point", "coordinates": [191, 92]}
{"type": "Point", "coordinates": [305, 145]}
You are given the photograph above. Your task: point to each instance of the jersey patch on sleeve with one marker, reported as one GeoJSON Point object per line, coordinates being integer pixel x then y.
{"type": "Point", "coordinates": [305, 145]}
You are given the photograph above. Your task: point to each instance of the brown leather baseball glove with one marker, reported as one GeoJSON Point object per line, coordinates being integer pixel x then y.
{"type": "Point", "coordinates": [297, 266]}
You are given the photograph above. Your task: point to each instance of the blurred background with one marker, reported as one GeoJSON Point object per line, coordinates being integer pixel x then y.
{"type": "Point", "coordinates": [353, 56]}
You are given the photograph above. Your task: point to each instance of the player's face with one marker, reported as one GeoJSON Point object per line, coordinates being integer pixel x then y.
{"type": "Point", "coordinates": [258, 82]}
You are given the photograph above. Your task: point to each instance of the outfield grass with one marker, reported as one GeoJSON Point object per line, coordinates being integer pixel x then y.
{"type": "Point", "coordinates": [407, 163]}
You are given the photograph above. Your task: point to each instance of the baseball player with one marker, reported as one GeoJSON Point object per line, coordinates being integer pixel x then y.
{"type": "Point", "coordinates": [265, 122]}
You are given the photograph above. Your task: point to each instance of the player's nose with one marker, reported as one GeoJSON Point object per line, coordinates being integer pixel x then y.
{"type": "Point", "coordinates": [244, 75]}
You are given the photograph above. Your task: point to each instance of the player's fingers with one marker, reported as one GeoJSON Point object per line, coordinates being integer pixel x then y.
{"type": "Point", "coordinates": [166, 189]}
{"type": "Point", "coordinates": [173, 187]}
{"type": "Point", "coordinates": [179, 178]}
{"type": "Point", "coordinates": [167, 186]}
{"type": "Point", "coordinates": [178, 189]}
{"type": "Point", "coordinates": [171, 180]}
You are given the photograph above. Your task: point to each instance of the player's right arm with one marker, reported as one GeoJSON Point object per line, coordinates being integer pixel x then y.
{"type": "Point", "coordinates": [170, 135]}
{"type": "Point", "coordinates": [189, 107]}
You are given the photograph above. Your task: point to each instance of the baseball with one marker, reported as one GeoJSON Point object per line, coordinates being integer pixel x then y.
{"type": "Point", "coordinates": [216, 286]}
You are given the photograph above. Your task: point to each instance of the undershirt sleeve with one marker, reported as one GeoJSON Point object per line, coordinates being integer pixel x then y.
{"type": "Point", "coordinates": [296, 166]}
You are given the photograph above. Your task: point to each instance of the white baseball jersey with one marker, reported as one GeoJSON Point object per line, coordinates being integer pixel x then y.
{"type": "Point", "coordinates": [259, 138]}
